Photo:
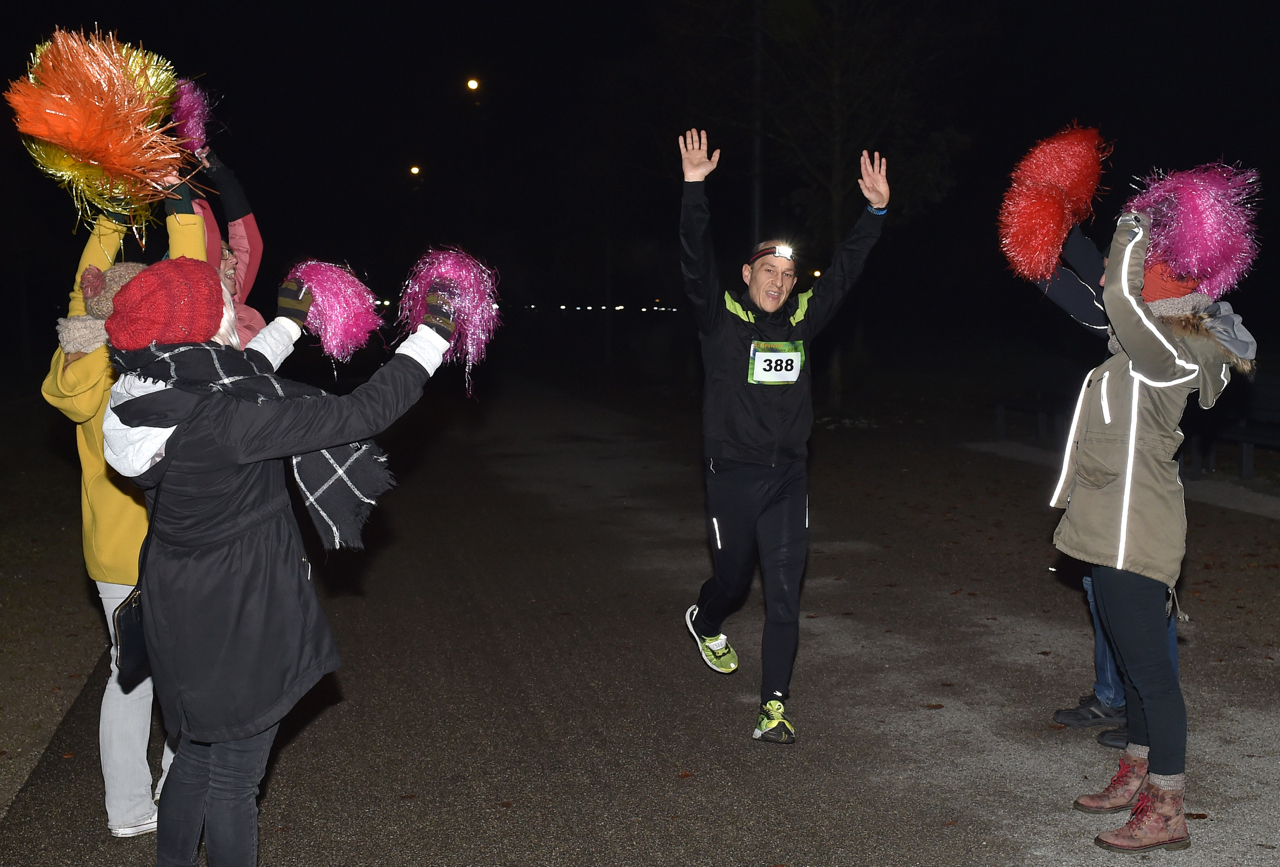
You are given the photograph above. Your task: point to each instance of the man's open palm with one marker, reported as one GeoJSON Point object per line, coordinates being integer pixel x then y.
{"type": "Point", "coordinates": [693, 156]}
{"type": "Point", "coordinates": [874, 182]}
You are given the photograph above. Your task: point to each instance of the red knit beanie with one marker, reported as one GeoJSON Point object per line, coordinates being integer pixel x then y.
{"type": "Point", "coordinates": [172, 301]}
{"type": "Point", "coordinates": [1159, 282]}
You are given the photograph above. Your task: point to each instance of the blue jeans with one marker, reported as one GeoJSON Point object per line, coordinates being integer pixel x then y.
{"type": "Point", "coordinates": [1108, 688]}
{"type": "Point", "coordinates": [214, 787]}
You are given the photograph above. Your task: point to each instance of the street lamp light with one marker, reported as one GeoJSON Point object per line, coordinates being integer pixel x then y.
{"type": "Point", "coordinates": [472, 84]}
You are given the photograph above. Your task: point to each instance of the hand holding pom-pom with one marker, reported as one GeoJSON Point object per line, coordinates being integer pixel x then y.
{"type": "Point", "coordinates": [452, 286]}
{"type": "Point", "coordinates": [294, 301]}
{"type": "Point", "coordinates": [1053, 189]}
{"type": "Point", "coordinates": [335, 306]}
{"type": "Point", "coordinates": [438, 315]}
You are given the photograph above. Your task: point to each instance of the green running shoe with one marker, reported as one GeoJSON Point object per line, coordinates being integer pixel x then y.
{"type": "Point", "coordinates": [716, 651]}
{"type": "Point", "coordinates": [773, 726]}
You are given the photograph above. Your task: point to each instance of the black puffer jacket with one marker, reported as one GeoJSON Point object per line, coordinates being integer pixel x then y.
{"type": "Point", "coordinates": [750, 421]}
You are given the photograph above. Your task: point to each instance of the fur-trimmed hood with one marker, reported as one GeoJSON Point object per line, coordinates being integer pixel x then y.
{"type": "Point", "coordinates": [1200, 326]}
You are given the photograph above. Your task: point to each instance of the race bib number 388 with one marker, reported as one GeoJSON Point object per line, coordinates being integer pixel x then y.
{"type": "Point", "coordinates": [774, 363]}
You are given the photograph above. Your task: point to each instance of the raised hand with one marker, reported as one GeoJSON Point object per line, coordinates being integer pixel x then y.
{"type": "Point", "coordinates": [294, 300]}
{"type": "Point", "coordinates": [693, 156]}
{"type": "Point", "coordinates": [874, 182]}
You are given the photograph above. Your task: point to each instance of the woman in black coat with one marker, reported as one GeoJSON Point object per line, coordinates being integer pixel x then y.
{"type": "Point", "coordinates": [234, 630]}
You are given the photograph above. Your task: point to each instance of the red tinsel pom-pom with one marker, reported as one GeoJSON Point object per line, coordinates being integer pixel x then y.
{"type": "Point", "coordinates": [1034, 222]}
{"type": "Point", "coordinates": [1071, 161]}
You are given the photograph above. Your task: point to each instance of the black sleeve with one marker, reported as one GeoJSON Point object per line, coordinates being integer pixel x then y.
{"type": "Point", "coordinates": [235, 205]}
{"type": "Point", "coordinates": [834, 284]}
{"type": "Point", "coordinates": [698, 258]}
{"type": "Point", "coordinates": [277, 428]}
{"type": "Point", "coordinates": [1075, 288]}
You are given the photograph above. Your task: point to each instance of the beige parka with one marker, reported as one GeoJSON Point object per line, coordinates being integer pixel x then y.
{"type": "Point", "coordinates": [1119, 481]}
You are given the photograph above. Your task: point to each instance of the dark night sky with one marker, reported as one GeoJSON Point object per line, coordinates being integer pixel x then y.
{"type": "Point", "coordinates": [571, 146]}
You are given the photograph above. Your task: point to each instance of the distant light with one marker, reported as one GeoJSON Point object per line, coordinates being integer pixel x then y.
{"type": "Point", "coordinates": [413, 170]}
{"type": "Point", "coordinates": [577, 308]}
{"type": "Point", "coordinates": [588, 308]}
{"type": "Point", "coordinates": [644, 309]}
{"type": "Point", "coordinates": [561, 306]}
{"type": "Point", "coordinates": [657, 301]}
{"type": "Point", "coordinates": [472, 84]}
{"type": "Point", "coordinates": [817, 273]}
{"type": "Point", "coordinates": [619, 307]}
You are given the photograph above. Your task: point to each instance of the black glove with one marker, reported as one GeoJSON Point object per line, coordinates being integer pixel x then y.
{"type": "Point", "coordinates": [294, 300]}
{"type": "Point", "coordinates": [439, 315]}
{"type": "Point", "coordinates": [235, 205]}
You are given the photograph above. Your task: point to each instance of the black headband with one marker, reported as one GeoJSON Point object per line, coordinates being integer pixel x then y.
{"type": "Point", "coordinates": [782, 251]}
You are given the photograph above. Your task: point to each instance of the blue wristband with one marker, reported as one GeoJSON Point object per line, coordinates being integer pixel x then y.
{"type": "Point", "coordinates": [879, 212]}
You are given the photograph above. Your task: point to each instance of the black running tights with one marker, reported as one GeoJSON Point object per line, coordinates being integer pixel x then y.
{"type": "Point", "coordinates": [758, 511]}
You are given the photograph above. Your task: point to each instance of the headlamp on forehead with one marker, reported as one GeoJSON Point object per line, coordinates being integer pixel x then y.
{"type": "Point", "coordinates": [782, 251]}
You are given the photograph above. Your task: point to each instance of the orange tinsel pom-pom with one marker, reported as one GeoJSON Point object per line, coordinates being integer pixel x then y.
{"type": "Point", "coordinates": [103, 103]}
{"type": "Point", "coordinates": [1034, 222]}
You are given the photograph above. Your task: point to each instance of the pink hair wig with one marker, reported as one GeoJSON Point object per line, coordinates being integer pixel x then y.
{"type": "Point", "coordinates": [190, 115]}
{"type": "Point", "coordinates": [1202, 223]}
{"type": "Point", "coordinates": [342, 308]}
{"type": "Point", "coordinates": [470, 290]}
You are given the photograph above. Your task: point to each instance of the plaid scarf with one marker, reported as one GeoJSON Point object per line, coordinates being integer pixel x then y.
{"type": "Point", "coordinates": [339, 484]}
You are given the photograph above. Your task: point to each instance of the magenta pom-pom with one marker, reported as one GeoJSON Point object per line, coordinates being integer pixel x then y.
{"type": "Point", "coordinates": [342, 309]}
{"type": "Point", "coordinates": [1202, 224]}
{"type": "Point", "coordinates": [1035, 220]}
{"type": "Point", "coordinates": [190, 115]}
{"type": "Point", "coordinates": [471, 291]}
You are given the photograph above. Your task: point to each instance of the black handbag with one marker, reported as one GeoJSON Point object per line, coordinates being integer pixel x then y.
{"type": "Point", "coordinates": [132, 663]}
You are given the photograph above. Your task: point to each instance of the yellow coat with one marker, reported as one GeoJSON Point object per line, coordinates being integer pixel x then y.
{"type": "Point", "coordinates": [113, 514]}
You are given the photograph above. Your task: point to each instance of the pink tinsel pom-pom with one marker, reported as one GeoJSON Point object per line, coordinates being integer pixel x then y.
{"type": "Point", "coordinates": [471, 290]}
{"type": "Point", "coordinates": [342, 308]}
{"type": "Point", "coordinates": [190, 115]}
{"type": "Point", "coordinates": [1035, 220]}
{"type": "Point", "coordinates": [1202, 224]}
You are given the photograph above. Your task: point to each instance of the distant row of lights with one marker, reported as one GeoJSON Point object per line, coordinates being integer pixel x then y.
{"type": "Point", "coordinates": [602, 307]}
{"type": "Point", "coordinates": [382, 302]}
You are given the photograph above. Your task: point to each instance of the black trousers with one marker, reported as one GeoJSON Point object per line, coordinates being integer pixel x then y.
{"type": "Point", "coordinates": [756, 511]}
{"type": "Point", "coordinates": [1132, 610]}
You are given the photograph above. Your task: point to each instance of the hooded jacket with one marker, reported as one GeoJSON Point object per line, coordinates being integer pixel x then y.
{"type": "Point", "coordinates": [1119, 482]}
{"type": "Point", "coordinates": [234, 629]}
{"type": "Point", "coordinates": [113, 516]}
{"type": "Point", "coordinates": [748, 421]}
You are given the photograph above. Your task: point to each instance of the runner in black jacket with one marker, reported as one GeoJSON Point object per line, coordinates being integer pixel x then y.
{"type": "Point", "coordinates": [757, 414]}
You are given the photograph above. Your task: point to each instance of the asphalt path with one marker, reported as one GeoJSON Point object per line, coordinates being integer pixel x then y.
{"type": "Point", "coordinates": [518, 686]}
